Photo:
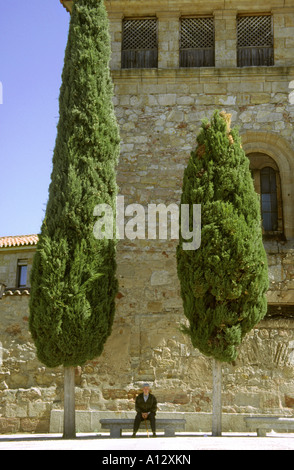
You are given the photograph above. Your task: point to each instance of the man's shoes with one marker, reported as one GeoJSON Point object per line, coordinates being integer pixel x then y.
{"type": "Point", "coordinates": [154, 434]}
{"type": "Point", "coordinates": [133, 435]}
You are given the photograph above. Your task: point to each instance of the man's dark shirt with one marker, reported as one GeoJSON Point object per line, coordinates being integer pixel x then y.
{"type": "Point", "coordinates": [150, 406]}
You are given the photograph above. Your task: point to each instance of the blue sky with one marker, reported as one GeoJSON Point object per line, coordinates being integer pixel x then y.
{"type": "Point", "coordinates": [33, 36]}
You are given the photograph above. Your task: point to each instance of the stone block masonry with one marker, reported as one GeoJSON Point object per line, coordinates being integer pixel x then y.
{"type": "Point", "coordinates": [146, 345]}
{"type": "Point", "coordinates": [160, 113]}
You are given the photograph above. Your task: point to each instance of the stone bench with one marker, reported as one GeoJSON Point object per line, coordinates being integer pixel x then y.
{"type": "Point", "coordinates": [116, 425]}
{"type": "Point", "coordinates": [262, 424]}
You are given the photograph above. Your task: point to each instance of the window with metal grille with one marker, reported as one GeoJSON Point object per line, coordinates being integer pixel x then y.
{"type": "Point", "coordinates": [197, 42]}
{"type": "Point", "coordinates": [255, 40]}
{"type": "Point", "coordinates": [140, 43]}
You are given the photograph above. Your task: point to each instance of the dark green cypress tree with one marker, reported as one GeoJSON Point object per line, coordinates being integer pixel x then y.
{"type": "Point", "coordinates": [73, 277]}
{"type": "Point", "coordinates": [224, 282]}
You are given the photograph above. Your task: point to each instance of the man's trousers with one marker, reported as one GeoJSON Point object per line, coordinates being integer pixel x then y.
{"type": "Point", "coordinates": [139, 419]}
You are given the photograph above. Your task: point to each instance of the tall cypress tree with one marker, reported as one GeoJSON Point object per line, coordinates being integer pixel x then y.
{"type": "Point", "coordinates": [74, 275]}
{"type": "Point", "coordinates": [224, 282]}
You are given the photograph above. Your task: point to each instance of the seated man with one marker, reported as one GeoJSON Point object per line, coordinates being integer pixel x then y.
{"type": "Point", "coordinates": [146, 406]}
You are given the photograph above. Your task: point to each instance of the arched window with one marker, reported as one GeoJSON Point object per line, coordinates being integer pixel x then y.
{"type": "Point", "coordinates": [267, 183]}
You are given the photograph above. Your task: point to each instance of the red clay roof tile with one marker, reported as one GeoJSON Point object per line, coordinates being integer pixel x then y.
{"type": "Point", "coordinates": [18, 240]}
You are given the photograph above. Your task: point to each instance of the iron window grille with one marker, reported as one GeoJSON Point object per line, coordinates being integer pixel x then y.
{"type": "Point", "coordinates": [197, 42]}
{"type": "Point", "coordinates": [140, 43]}
{"type": "Point", "coordinates": [255, 41]}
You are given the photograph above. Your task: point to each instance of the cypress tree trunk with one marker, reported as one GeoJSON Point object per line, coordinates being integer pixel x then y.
{"type": "Point", "coordinates": [216, 398]}
{"type": "Point", "coordinates": [69, 424]}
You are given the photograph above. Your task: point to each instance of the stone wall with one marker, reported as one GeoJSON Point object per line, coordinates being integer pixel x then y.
{"type": "Point", "coordinates": [8, 264]}
{"type": "Point", "coordinates": [145, 345]}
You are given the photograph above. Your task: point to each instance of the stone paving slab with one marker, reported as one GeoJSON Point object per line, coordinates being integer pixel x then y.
{"type": "Point", "coordinates": [182, 444]}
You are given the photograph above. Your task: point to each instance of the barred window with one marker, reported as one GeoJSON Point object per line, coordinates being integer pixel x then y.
{"type": "Point", "coordinates": [197, 42]}
{"type": "Point", "coordinates": [255, 40]}
{"type": "Point", "coordinates": [140, 43]}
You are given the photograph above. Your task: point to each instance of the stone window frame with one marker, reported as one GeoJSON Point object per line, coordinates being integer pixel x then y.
{"type": "Point", "coordinates": [279, 149]}
{"type": "Point", "coordinates": [258, 162]}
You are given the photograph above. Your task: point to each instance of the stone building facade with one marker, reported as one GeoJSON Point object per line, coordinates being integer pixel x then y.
{"type": "Point", "coordinates": [163, 88]}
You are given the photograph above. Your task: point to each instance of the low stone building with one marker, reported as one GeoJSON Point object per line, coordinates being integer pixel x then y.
{"type": "Point", "coordinates": [173, 64]}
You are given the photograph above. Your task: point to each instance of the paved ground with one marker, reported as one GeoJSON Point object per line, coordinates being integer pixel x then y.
{"type": "Point", "coordinates": [180, 444]}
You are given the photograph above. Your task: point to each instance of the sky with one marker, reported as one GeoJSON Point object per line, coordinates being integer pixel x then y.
{"type": "Point", "coordinates": [33, 37]}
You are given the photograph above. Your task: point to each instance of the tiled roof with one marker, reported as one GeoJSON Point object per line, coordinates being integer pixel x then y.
{"type": "Point", "coordinates": [18, 240]}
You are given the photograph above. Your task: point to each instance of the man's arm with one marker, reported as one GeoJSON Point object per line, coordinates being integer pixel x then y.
{"type": "Point", "coordinates": [154, 404]}
{"type": "Point", "coordinates": [137, 405]}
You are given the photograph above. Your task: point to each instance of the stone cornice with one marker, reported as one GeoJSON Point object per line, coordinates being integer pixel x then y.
{"type": "Point", "coordinates": [203, 73]}
{"type": "Point", "coordinates": [141, 7]}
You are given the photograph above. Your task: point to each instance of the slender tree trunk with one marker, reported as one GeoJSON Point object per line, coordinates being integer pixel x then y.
{"type": "Point", "coordinates": [217, 398]}
{"type": "Point", "coordinates": [69, 425]}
